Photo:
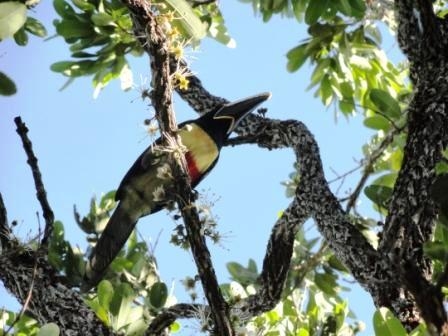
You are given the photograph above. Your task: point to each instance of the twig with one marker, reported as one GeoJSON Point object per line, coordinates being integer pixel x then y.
{"type": "Point", "coordinates": [309, 264]}
{"type": "Point", "coordinates": [368, 170]}
{"type": "Point", "coordinates": [5, 231]}
{"type": "Point", "coordinates": [22, 130]}
{"type": "Point", "coordinates": [344, 175]}
{"type": "Point", "coordinates": [385, 116]}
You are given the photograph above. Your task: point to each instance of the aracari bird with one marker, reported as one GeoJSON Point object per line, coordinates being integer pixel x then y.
{"type": "Point", "coordinates": [142, 190]}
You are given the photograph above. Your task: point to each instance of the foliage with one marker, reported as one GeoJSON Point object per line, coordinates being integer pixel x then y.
{"type": "Point", "coordinates": [100, 35]}
{"type": "Point", "coordinates": [15, 22]}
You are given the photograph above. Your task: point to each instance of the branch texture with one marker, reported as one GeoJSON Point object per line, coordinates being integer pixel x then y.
{"type": "Point", "coordinates": [22, 130]}
{"type": "Point", "coordinates": [157, 47]}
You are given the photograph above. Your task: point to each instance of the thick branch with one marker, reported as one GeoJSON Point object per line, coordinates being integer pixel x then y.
{"type": "Point", "coordinates": [157, 48]}
{"type": "Point", "coordinates": [171, 314]}
{"type": "Point", "coordinates": [313, 198]}
{"type": "Point", "coordinates": [51, 300]}
{"type": "Point", "coordinates": [5, 231]}
{"type": "Point", "coordinates": [411, 216]}
{"type": "Point", "coordinates": [33, 281]}
{"type": "Point", "coordinates": [22, 130]}
{"type": "Point", "coordinates": [371, 268]}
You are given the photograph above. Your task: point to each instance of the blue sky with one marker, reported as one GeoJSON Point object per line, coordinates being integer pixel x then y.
{"type": "Point", "coordinates": [86, 145]}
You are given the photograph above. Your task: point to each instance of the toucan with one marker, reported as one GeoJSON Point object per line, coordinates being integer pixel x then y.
{"type": "Point", "coordinates": [143, 189]}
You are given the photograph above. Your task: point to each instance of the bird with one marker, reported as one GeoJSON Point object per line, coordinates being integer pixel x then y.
{"type": "Point", "coordinates": [143, 189]}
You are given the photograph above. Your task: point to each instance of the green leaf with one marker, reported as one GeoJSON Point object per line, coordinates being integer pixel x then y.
{"type": "Point", "coordinates": [219, 32]}
{"type": "Point", "coordinates": [84, 5]}
{"type": "Point", "coordinates": [195, 28]}
{"type": "Point", "coordinates": [345, 7]}
{"type": "Point", "coordinates": [7, 86]}
{"type": "Point", "coordinates": [82, 54]}
{"type": "Point", "coordinates": [175, 327]}
{"type": "Point", "coordinates": [102, 19]}
{"type": "Point", "coordinates": [421, 330]}
{"type": "Point", "coordinates": [302, 332]}
{"type": "Point", "coordinates": [335, 263]}
{"type": "Point", "coordinates": [378, 194]}
{"type": "Point", "coordinates": [298, 7]}
{"type": "Point", "coordinates": [63, 9]}
{"type": "Point", "coordinates": [314, 10]}
{"type": "Point", "coordinates": [49, 329]}
{"type": "Point", "coordinates": [252, 266]}
{"type": "Point", "coordinates": [326, 91]}
{"type": "Point", "coordinates": [386, 180]}
{"type": "Point", "coordinates": [385, 103]}
{"type": "Point", "coordinates": [358, 7]}
{"type": "Point", "coordinates": [241, 274]}
{"type": "Point", "coordinates": [20, 37]}
{"type": "Point", "coordinates": [121, 305]}
{"type": "Point", "coordinates": [326, 283]}
{"type": "Point", "coordinates": [386, 324]}
{"type": "Point", "coordinates": [61, 66]}
{"type": "Point", "coordinates": [296, 57]}
{"type": "Point", "coordinates": [12, 18]}
{"type": "Point", "coordinates": [158, 295]}
{"type": "Point", "coordinates": [35, 27]}
{"type": "Point", "coordinates": [377, 122]}
{"type": "Point", "coordinates": [436, 250]}
{"type": "Point", "coordinates": [105, 292]}
{"type": "Point", "coordinates": [74, 29]}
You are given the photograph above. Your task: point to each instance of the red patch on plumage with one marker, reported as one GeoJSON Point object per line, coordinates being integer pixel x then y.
{"type": "Point", "coordinates": [193, 170]}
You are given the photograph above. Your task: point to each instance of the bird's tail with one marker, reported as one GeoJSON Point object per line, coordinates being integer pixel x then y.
{"type": "Point", "coordinates": [114, 236]}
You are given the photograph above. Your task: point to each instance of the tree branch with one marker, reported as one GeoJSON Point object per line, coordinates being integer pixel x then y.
{"type": "Point", "coordinates": [5, 231]}
{"type": "Point", "coordinates": [157, 47]}
{"type": "Point", "coordinates": [368, 168]}
{"type": "Point", "coordinates": [313, 198]}
{"type": "Point", "coordinates": [51, 301]}
{"type": "Point", "coordinates": [28, 276]}
{"type": "Point", "coordinates": [411, 214]}
{"type": "Point", "coordinates": [171, 314]}
{"type": "Point", "coordinates": [22, 130]}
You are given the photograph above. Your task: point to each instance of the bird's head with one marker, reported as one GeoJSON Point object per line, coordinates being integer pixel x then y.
{"type": "Point", "coordinates": [221, 122]}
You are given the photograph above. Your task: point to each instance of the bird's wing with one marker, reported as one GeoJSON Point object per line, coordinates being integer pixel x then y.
{"type": "Point", "coordinates": [148, 159]}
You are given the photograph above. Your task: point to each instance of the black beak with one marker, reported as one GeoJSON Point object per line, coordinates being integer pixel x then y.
{"type": "Point", "coordinates": [236, 111]}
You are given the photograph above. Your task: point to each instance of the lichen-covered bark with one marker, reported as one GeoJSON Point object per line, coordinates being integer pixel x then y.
{"type": "Point", "coordinates": [146, 26]}
{"type": "Point", "coordinates": [51, 300]}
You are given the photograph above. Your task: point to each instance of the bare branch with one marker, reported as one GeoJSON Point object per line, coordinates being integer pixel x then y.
{"type": "Point", "coordinates": [22, 130]}
{"type": "Point", "coordinates": [368, 168]}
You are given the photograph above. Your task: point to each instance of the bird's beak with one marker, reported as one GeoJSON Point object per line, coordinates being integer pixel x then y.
{"type": "Point", "coordinates": [236, 111]}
